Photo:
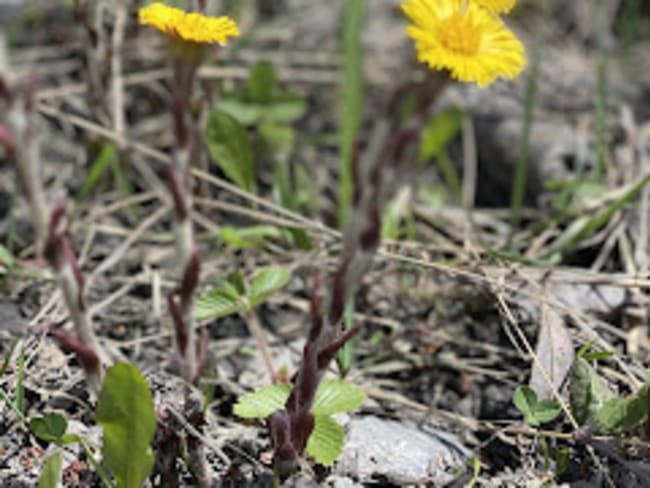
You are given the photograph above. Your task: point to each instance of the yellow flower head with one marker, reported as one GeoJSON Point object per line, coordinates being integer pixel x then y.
{"type": "Point", "coordinates": [497, 6]}
{"type": "Point", "coordinates": [465, 38]}
{"type": "Point", "coordinates": [190, 27]}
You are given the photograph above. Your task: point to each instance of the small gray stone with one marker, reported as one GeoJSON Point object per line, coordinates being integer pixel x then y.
{"type": "Point", "coordinates": [399, 452]}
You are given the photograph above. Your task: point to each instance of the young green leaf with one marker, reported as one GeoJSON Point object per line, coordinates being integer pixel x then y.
{"type": "Point", "coordinates": [584, 349]}
{"type": "Point", "coordinates": [476, 471]}
{"type": "Point", "coordinates": [536, 412]}
{"type": "Point", "coordinates": [620, 415]}
{"type": "Point", "coordinates": [396, 212]}
{"type": "Point", "coordinates": [326, 441]}
{"type": "Point", "coordinates": [51, 472]}
{"type": "Point", "coordinates": [215, 304]}
{"type": "Point", "coordinates": [334, 395]}
{"type": "Point", "coordinates": [588, 392]}
{"type": "Point", "coordinates": [562, 459]}
{"type": "Point", "coordinates": [246, 113]}
{"type": "Point", "coordinates": [229, 146]}
{"type": "Point", "coordinates": [125, 411]}
{"type": "Point", "coordinates": [283, 111]}
{"type": "Point", "coordinates": [7, 259]}
{"type": "Point", "coordinates": [267, 281]}
{"type": "Point", "coordinates": [247, 237]}
{"type": "Point", "coordinates": [525, 399]}
{"type": "Point", "coordinates": [277, 138]}
{"type": "Point", "coordinates": [235, 284]}
{"type": "Point", "coordinates": [547, 410]}
{"type": "Point", "coordinates": [262, 83]}
{"type": "Point", "coordinates": [584, 227]}
{"type": "Point", "coordinates": [49, 428]}
{"type": "Point", "coordinates": [262, 402]}
{"type": "Point", "coordinates": [438, 133]}
{"type": "Point", "coordinates": [587, 354]}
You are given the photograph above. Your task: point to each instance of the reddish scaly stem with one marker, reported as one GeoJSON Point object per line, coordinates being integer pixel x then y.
{"type": "Point", "coordinates": [23, 152]}
{"type": "Point", "coordinates": [373, 181]}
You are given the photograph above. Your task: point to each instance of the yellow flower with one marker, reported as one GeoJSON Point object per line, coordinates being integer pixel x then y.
{"type": "Point", "coordinates": [190, 27]}
{"type": "Point", "coordinates": [465, 38]}
{"type": "Point", "coordinates": [497, 6]}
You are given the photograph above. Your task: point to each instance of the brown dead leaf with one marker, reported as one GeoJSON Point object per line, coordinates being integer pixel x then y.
{"type": "Point", "coordinates": [554, 351]}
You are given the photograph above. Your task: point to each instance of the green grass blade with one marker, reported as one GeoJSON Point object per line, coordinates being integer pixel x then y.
{"type": "Point", "coordinates": [97, 170]}
{"type": "Point", "coordinates": [121, 179]}
{"type": "Point", "coordinates": [352, 99]}
{"type": "Point", "coordinates": [12, 404]}
{"type": "Point", "coordinates": [518, 191]}
{"type": "Point", "coordinates": [600, 102]}
{"type": "Point", "coordinates": [20, 387]}
{"type": "Point", "coordinates": [588, 226]}
{"type": "Point", "coordinates": [11, 219]}
{"type": "Point", "coordinates": [345, 357]}
{"type": "Point", "coordinates": [10, 353]}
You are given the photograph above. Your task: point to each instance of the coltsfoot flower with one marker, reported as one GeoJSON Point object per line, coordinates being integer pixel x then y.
{"type": "Point", "coordinates": [188, 26]}
{"type": "Point", "coordinates": [465, 38]}
{"type": "Point", "coordinates": [497, 6]}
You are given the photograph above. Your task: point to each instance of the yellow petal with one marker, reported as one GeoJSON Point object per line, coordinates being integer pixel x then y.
{"type": "Point", "coordinates": [497, 6]}
{"type": "Point", "coordinates": [191, 27]}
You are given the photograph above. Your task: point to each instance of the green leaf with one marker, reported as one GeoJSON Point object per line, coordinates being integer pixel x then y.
{"type": "Point", "coordinates": [228, 298]}
{"type": "Point", "coordinates": [235, 284]}
{"type": "Point", "coordinates": [283, 111]}
{"type": "Point", "coordinates": [584, 227]}
{"type": "Point", "coordinates": [334, 395]}
{"type": "Point", "coordinates": [51, 472]}
{"type": "Point", "coordinates": [476, 471]}
{"type": "Point", "coordinates": [438, 133]}
{"type": "Point", "coordinates": [588, 392]}
{"type": "Point", "coordinates": [66, 439]}
{"type": "Point", "coordinates": [245, 112]}
{"type": "Point", "coordinates": [536, 412]}
{"type": "Point", "coordinates": [125, 411]}
{"type": "Point", "coordinates": [326, 441]}
{"type": "Point", "coordinates": [562, 458]}
{"type": "Point", "coordinates": [7, 259]}
{"type": "Point", "coordinates": [620, 415]}
{"type": "Point", "coordinates": [49, 428]}
{"type": "Point", "coordinates": [300, 239]}
{"type": "Point", "coordinates": [262, 402]}
{"type": "Point", "coordinates": [248, 237]}
{"type": "Point", "coordinates": [525, 399]}
{"type": "Point", "coordinates": [587, 354]}
{"type": "Point", "coordinates": [262, 82]}
{"type": "Point", "coordinates": [267, 281]}
{"type": "Point", "coordinates": [229, 146]}
{"type": "Point", "coordinates": [215, 304]}
{"type": "Point", "coordinates": [397, 211]}
{"type": "Point", "coordinates": [278, 138]}
{"type": "Point", "coordinates": [584, 349]}
{"type": "Point", "coordinates": [547, 410]}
